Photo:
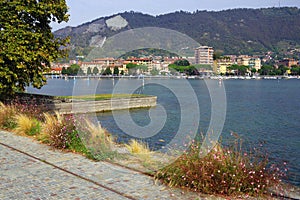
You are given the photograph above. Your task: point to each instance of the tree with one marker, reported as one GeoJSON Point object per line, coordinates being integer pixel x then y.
{"type": "Point", "coordinates": [239, 69]}
{"type": "Point", "coordinates": [253, 70]}
{"type": "Point", "coordinates": [295, 70]}
{"type": "Point", "coordinates": [80, 72]}
{"type": "Point", "coordinates": [95, 70]}
{"type": "Point", "coordinates": [73, 69]}
{"type": "Point", "coordinates": [131, 68]}
{"type": "Point", "coordinates": [116, 71]}
{"type": "Point", "coordinates": [27, 45]}
{"type": "Point", "coordinates": [89, 71]}
{"type": "Point", "coordinates": [266, 70]}
{"type": "Point", "coordinates": [64, 71]}
{"type": "Point", "coordinates": [217, 54]}
{"type": "Point", "coordinates": [107, 71]}
{"type": "Point", "coordinates": [182, 62]}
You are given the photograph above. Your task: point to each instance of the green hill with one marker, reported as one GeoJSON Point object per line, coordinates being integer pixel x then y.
{"type": "Point", "coordinates": [236, 31]}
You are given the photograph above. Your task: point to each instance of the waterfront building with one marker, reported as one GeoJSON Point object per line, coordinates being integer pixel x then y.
{"type": "Point", "coordinates": [288, 62]}
{"type": "Point", "coordinates": [56, 68]}
{"type": "Point", "coordinates": [204, 55]}
{"type": "Point", "coordinates": [222, 64]}
{"type": "Point", "coordinates": [252, 62]}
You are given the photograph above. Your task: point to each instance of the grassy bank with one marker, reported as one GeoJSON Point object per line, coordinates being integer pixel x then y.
{"type": "Point", "coordinates": [225, 170]}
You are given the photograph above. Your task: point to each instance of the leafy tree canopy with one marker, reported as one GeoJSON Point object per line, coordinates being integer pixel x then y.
{"type": "Point", "coordinates": [95, 70]}
{"type": "Point", "coordinates": [89, 71]}
{"type": "Point", "coordinates": [131, 65]}
{"type": "Point", "coordinates": [27, 45]}
{"type": "Point", "coordinates": [116, 71]}
{"type": "Point", "coordinates": [107, 71]}
{"type": "Point", "coordinates": [182, 62]}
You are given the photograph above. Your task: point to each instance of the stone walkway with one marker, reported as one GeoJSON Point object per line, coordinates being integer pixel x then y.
{"type": "Point", "coordinates": [29, 170]}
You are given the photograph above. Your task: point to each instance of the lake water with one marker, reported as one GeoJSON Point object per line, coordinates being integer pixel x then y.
{"type": "Point", "coordinates": [261, 111]}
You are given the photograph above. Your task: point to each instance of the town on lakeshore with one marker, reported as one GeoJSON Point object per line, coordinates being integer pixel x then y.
{"type": "Point", "coordinates": [206, 63]}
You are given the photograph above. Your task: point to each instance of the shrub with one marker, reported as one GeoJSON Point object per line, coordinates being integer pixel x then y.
{"type": "Point", "coordinates": [27, 125]}
{"type": "Point", "coordinates": [53, 129]}
{"type": "Point", "coordinates": [61, 131]}
{"type": "Point", "coordinates": [224, 170]}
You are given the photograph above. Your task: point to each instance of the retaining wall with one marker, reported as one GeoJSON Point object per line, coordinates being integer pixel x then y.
{"type": "Point", "coordinates": [105, 105]}
{"type": "Point", "coordinates": [69, 106]}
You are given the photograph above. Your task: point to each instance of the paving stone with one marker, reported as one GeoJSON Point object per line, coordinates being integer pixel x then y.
{"type": "Point", "coordinates": [70, 176]}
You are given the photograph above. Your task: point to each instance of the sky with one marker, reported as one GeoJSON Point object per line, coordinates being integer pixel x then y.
{"type": "Point", "coordinates": [82, 11]}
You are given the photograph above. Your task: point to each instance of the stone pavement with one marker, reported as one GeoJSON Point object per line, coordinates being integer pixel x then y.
{"type": "Point", "coordinates": [29, 170]}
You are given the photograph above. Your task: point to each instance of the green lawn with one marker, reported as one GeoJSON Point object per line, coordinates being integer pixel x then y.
{"type": "Point", "coordinates": [99, 97]}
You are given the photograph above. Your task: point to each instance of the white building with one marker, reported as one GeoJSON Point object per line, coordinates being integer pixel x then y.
{"type": "Point", "coordinates": [204, 55]}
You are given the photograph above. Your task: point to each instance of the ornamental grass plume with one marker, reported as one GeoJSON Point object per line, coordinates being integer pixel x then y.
{"type": "Point", "coordinates": [136, 147]}
{"type": "Point", "coordinates": [98, 141]}
{"type": "Point", "coordinates": [98, 134]}
{"type": "Point", "coordinates": [27, 125]}
{"type": "Point", "coordinates": [58, 129]}
{"type": "Point", "coordinates": [141, 151]}
{"type": "Point", "coordinates": [7, 113]}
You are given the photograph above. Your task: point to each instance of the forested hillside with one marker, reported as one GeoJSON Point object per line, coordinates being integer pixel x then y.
{"type": "Point", "coordinates": [237, 31]}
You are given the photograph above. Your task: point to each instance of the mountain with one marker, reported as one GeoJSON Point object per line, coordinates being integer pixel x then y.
{"type": "Point", "coordinates": [236, 31]}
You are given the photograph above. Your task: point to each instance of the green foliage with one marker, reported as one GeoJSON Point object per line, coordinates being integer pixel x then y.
{"type": "Point", "coordinates": [107, 71]}
{"type": "Point", "coordinates": [95, 70]}
{"type": "Point", "coordinates": [116, 71]}
{"type": "Point", "coordinates": [270, 70]}
{"type": "Point", "coordinates": [64, 71]}
{"type": "Point", "coordinates": [295, 70]}
{"type": "Point", "coordinates": [148, 52]}
{"type": "Point", "coordinates": [183, 66]}
{"type": "Point", "coordinates": [131, 65]}
{"type": "Point", "coordinates": [239, 69]}
{"type": "Point", "coordinates": [27, 43]}
{"type": "Point", "coordinates": [89, 71]}
{"type": "Point", "coordinates": [182, 62]}
{"type": "Point", "coordinates": [217, 55]}
{"type": "Point", "coordinates": [253, 70]}
{"type": "Point", "coordinates": [73, 69]}
{"type": "Point", "coordinates": [132, 68]}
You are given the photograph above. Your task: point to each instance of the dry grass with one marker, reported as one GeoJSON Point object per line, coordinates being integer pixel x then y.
{"type": "Point", "coordinates": [99, 142]}
{"type": "Point", "coordinates": [7, 113]}
{"type": "Point", "coordinates": [27, 125]}
{"type": "Point", "coordinates": [136, 147]}
{"type": "Point", "coordinates": [53, 130]}
{"type": "Point", "coordinates": [50, 123]}
{"type": "Point", "coordinates": [98, 134]}
{"type": "Point", "coordinates": [141, 151]}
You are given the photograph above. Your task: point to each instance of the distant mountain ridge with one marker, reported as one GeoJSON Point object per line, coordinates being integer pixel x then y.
{"type": "Point", "coordinates": [236, 31]}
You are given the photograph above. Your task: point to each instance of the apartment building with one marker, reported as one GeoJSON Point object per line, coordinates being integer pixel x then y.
{"type": "Point", "coordinates": [204, 55]}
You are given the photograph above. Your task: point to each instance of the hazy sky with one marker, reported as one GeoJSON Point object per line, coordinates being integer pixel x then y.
{"type": "Point", "coordinates": [87, 10]}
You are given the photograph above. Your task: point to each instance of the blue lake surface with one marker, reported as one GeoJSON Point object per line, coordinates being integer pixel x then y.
{"type": "Point", "coordinates": [261, 111]}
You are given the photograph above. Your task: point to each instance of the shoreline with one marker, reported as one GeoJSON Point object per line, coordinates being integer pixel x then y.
{"type": "Point", "coordinates": [204, 77]}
